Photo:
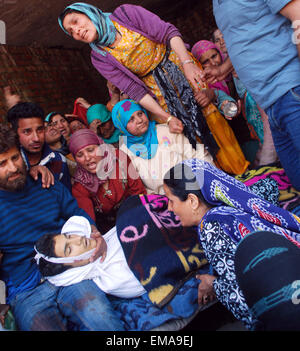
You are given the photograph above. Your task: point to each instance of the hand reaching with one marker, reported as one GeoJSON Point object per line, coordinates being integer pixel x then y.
{"type": "Point", "coordinates": [81, 101]}
{"type": "Point", "coordinates": [175, 126]}
{"type": "Point", "coordinates": [101, 247]}
{"type": "Point", "coordinates": [194, 75]}
{"type": "Point", "coordinates": [10, 98]}
{"type": "Point", "coordinates": [206, 291]}
{"type": "Point", "coordinates": [204, 97]}
{"type": "Point", "coordinates": [214, 74]}
{"type": "Point", "coordinates": [47, 176]}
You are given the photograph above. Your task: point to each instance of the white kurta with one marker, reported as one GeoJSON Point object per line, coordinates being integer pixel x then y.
{"type": "Point", "coordinates": [172, 149]}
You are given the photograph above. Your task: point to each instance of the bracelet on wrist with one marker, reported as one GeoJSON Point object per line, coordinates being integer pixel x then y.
{"type": "Point", "coordinates": [187, 61]}
{"type": "Point", "coordinates": [169, 119]}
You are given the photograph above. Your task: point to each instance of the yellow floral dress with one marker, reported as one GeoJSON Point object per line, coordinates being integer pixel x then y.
{"type": "Point", "coordinates": [141, 56]}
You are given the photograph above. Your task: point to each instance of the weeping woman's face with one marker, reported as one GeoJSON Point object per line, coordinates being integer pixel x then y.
{"type": "Point", "coordinates": [80, 27]}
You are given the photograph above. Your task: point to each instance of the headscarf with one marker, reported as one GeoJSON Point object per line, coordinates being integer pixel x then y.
{"type": "Point", "coordinates": [80, 111]}
{"type": "Point", "coordinates": [239, 209]}
{"type": "Point", "coordinates": [104, 26]}
{"type": "Point", "coordinates": [50, 115]}
{"type": "Point", "coordinates": [198, 50]}
{"type": "Point", "coordinates": [105, 167]}
{"type": "Point", "coordinates": [99, 111]}
{"type": "Point", "coordinates": [144, 146]}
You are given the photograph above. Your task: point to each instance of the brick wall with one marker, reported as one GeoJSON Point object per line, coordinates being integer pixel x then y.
{"type": "Point", "coordinates": [194, 19]}
{"type": "Point", "coordinates": [53, 78]}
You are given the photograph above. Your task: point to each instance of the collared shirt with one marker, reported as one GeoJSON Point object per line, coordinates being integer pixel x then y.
{"type": "Point", "coordinates": [259, 43]}
{"type": "Point", "coordinates": [55, 162]}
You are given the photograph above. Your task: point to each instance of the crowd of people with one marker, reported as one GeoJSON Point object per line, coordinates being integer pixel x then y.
{"type": "Point", "coordinates": [178, 125]}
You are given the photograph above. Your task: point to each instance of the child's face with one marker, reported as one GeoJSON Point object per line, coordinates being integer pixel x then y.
{"type": "Point", "coordinates": [69, 245]}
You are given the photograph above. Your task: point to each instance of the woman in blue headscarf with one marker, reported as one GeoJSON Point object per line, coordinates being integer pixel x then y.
{"type": "Point", "coordinates": [225, 210]}
{"type": "Point", "coordinates": [152, 148]}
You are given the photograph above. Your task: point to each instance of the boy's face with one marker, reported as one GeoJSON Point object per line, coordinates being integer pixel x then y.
{"type": "Point", "coordinates": [70, 245]}
{"type": "Point", "coordinates": [31, 132]}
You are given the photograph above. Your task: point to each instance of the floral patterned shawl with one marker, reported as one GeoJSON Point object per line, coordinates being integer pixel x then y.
{"type": "Point", "coordinates": [237, 208]}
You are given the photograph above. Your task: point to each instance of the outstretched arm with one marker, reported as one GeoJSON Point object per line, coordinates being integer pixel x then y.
{"type": "Point", "coordinates": [192, 72]}
{"type": "Point", "coordinates": [11, 99]}
{"type": "Point", "coordinates": [218, 73]}
{"type": "Point", "coordinates": [151, 105]}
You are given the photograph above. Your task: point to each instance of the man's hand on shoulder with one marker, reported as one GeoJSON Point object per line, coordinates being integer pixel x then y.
{"type": "Point", "coordinates": [47, 176]}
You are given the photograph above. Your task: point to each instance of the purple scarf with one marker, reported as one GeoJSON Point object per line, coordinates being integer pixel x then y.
{"type": "Point", "coordinates": [198, 50]}
{"type": "Point", "coordinates": [90, 181]}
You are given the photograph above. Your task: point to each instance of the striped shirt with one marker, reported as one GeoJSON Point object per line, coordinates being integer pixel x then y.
{"type": "Point", "coordinates": [25, 216]}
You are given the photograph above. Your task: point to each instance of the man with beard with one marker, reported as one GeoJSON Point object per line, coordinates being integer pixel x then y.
{"type": "Point", "coordinates": [27, 212]}
{"type": "Point", "coordinates": [27, 119]}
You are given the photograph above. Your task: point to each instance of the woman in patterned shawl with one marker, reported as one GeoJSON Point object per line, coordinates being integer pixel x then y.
{"type": "Point", "coordinates": [225, 210]}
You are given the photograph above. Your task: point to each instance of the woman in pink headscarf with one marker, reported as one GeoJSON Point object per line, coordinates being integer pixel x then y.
{"type": "Point", "coordinates": [104, 178]}
{"type": "Point", "coordinates": [207, 53]}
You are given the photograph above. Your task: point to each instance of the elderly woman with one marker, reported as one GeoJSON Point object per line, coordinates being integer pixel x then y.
{"type": "Point", "coordinates": [152, 148]}
{"type": "Point", "coordinates": [103, 179]}
{"type": "Point", "coordinates": [133, 48]}
{"type": "Point", "coordinates": [224, 210]}
{"type": "Point", "coordinates": [210, 55]}
{"type": "Point", "coordinates": [100, 121]}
